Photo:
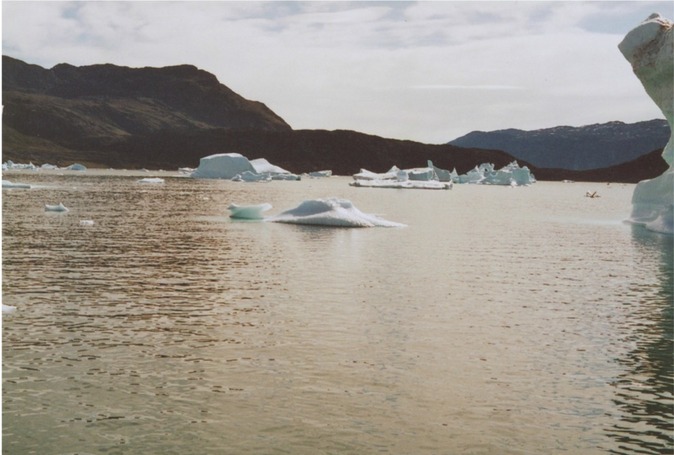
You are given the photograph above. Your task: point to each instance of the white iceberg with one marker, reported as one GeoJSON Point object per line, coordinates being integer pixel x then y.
{"type": "Point", "coordinates": [485, 174]}
{"type": "Point", "coordinates": [248, 212]}
{"type": "Point", "coordinates": [650, 49]}
{"type": "Point", "coordinates": [331, 212]}
{"type": "Point", "coordinates": [152, 180]}
{"type": "Point", "coordinates": [320, 174]}
{"type": "Point", "coordinates": [8, 309]}
{"type": "Point", "coordinates": [416, 178]}
{"type": "Point", "coordinates": [10, 165]}
{"type": "Point", "coordinates": [55, 208]}
{"type": "Point", "coordinates": [251, 177]}
{"type": "Point", "coordinates": [87, 222]}
{"type": "Point", "coordinates": [9, 184]}
{"type": "Point", "coordinates": [364, 174]}
{"type": "Point", "coordinates": [76, 167]}
{"type": "Point", "coordinates": [222, 166]}
{"type": "Point", "coordinates": [234, 166]}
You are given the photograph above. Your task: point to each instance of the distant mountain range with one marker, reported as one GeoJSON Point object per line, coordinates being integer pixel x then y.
{"type": "Point", "coordinates": [166, 118]}
{"type": "Point", "coordinates": [579, 148]}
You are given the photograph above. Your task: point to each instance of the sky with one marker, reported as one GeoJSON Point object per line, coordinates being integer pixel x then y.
{"type": "Point", "coordinates": [428, 71]}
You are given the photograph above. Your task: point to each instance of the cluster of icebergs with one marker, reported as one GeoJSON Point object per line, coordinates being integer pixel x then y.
{"type": "Point", "coordinates": [334, 212]}
{"type": "Point", "coordinates": [9, 165]}
{"type": "Point", "coordinates": [432, 177]}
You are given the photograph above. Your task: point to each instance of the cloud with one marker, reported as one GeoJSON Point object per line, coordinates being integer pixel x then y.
{"type": "Point", "coordinates": [429, 71]}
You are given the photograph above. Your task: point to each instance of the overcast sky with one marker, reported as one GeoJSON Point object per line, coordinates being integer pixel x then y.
{"type": "Point", "coordinates": [426, 71]}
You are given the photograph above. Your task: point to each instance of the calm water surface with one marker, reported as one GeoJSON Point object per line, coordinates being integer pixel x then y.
{"type": "Point", "coordinates": [499, 321]}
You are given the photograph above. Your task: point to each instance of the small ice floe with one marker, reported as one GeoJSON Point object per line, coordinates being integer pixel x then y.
{"type": "Point", "coordinates": [6, 309]}
{"type": "Point", "coordinates": [248, 212]}
{"type": "Point", "coordinates": [55, 208]}
{"type": "Point", "coordinates": [8, 184]}
{"type": "Point", "coordinates": [592, 194]}
{"type": "Point", "coordinates": [151, 180]}
{"type": "Point", "coordinates": [87, 222]}
{"type": "Point", "coordinates": [331, 212]}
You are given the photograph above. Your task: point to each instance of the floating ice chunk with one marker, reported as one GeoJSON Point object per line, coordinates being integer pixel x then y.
{"type": "Point", "coordinates": [512, 175]}
{"type": "Point", "coordinates": [251, 177]}
{"type": "Point", "coordinates": [8, 309]}
{"type": "Point", "coordinates": [8, 184]}
{"type": "Point", "coordinates": [248, 212]}
{"type": "Point", "coordinates": [262, 166]}
{"type": "Point", "coordinates": [48, 167]}
{"type": "Point", "coordinates": [403, 184]}
{"type": "Point", "coordinates": [76, 167]}
{"type": "Point", "coordinates": [650, 49]}
{"type": "Point", "coordinates": [55, 208]}
{"type": "Point", "coordinates": [86, 222]}
{"type": "Point", "coordinates": [320, 174]}
{"type": "Point", "coordinates": [151, 180]}
{"type": "Point", "coordinates": [364, 174]}
{"type": "Point", "coordinates": [222, 166]}
{"type": "Point", "coordinates": [331, 212]}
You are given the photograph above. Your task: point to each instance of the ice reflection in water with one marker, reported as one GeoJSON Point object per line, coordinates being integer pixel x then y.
{"type": "Point", "coordinates": [644, 390]}
{"type": "Point", "coordinates": [500, 321]}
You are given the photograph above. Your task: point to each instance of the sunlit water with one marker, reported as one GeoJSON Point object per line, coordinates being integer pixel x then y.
{"type": "Point", "coordinates": [499, 321]}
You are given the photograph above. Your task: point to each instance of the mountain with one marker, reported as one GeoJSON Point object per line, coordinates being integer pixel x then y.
{"type": "Point", "coordinates": [83, 107]}
{"type": "Point", "coordinates": [165, 118]}
{"type": "Point", "coordinates": [566, 147]}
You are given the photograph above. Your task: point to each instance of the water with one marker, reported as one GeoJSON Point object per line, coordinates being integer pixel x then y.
{"type": "Point", "coordinates": [511, 321]}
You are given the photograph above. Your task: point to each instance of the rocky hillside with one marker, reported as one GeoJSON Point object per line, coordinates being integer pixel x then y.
{"type": "Point", "coordinates": [566, 147]}
{"type": "Point", "coordinates": [85, 107]}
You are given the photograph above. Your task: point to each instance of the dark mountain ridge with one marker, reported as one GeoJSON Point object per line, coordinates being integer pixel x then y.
{"type": "Point", "coordinates": [579, 148]}
{"type": "Point", "coordinates": [166, 118]}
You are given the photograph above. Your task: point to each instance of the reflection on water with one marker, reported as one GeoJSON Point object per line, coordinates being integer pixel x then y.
{"type": "Point", "coordinates": [644, 391]}
{"type": "Point", "coordinates": [501, 320]}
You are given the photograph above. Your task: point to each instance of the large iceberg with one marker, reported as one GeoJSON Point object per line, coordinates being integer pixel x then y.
{"type": "Point", "coordinates": [650, 49]}
{"type": "Point", "coordinates": [222, 166]}
{"type": "Point", "coordinates": [332, 212]}
{"type": "Point", "coordinates": [415, 178]}
{"type": "Point", "coordinates": [485, 174]}
{"type": "Point", "coordinates": [234, 166]}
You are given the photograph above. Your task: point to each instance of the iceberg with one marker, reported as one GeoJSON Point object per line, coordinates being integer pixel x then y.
{"type": "Point", "coordinates": [416, 178]}
{"type": "Point", "coordinates": [9, 184]}
{"type": "Point", "coordinates": [332, 212]}
{"type": "Point", "coordinates": [55, 208]}
{"type": "Point", "coordinates": [320, 174]}
{"type": "Point", "coordinates": [222, 166]}
{"type": "Point", "coordinates": [76, 167]}
{"type": "Point", "coordinates": [234, 166]}
{"type": "Point", "coordinates": [8, 309]}
{"type": "Point", "coordinates": [248, 212]}
{"type": "Point", "coordinates": [649, 48]}
{"type": "Point", "coordinates": [151, 180]}
{"type": "Point", "coordinates": [485, 174]}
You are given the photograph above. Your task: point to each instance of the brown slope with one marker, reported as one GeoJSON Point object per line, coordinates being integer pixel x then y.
{"type": "Point", "coordinates": [84, 107]}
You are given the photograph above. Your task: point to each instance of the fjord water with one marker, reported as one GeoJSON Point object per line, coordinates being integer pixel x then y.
{"type": "Point", "coordinates": [500, 320]}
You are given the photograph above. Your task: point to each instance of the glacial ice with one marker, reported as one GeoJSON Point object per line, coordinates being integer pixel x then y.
{"type": "Point", "coordinates": [234, 166]}
{"type": "Point", "coordinates": [55, 208]}
{"type": "Point", "coordinates": [152, 180]}
{"type": "Point", "coordinates": [8, 309]}
{"type": "Point", "coordinates": [415, 178]}
{"type": "Point", "coordinates": [432, 177]}
{"type": "Point", "coordinates": [485, 174]}
{"type": "Point", "coordinates": [248, 212]}
{"type": "Point", "coordinates": [650, 50]}
{"type": "Point", "coordinates": [222, 166]}
{"type": "Point", "coordinates": [333, 212]}
{"type": "Point", "coordinates": [9, 184]}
